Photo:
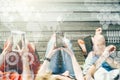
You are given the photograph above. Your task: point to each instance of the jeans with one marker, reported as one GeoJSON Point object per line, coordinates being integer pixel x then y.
{"type": "Point", "coordinates": [57, 66]}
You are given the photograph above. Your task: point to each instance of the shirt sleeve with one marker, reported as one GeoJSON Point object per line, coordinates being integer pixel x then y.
{"type": "Point", "coordinates": [90, 60]}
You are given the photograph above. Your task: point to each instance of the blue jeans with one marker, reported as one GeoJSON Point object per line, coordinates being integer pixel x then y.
{"type": "Point", "coordinates": [66, 65]}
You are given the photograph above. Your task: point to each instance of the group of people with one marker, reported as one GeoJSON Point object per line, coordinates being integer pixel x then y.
{"type": "Point", "coordinates": [97, 63]}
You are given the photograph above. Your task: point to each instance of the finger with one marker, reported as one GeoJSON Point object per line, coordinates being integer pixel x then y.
{"type": "Point", "coordinates": [8, 45]}
{"type": "Point", "coordinates": [18, 47]}
{"type": "Point", "coordinates": [113, 48]}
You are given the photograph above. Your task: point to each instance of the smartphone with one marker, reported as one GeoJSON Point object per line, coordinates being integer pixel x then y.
{"type": "Point", "coordinates": [18, 37]}
{"type": "Point", "coordinates": [59, 39]}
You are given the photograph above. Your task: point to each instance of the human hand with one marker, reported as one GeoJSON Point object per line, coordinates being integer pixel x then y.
{"type": "Point", "coordinates": [24, 53]}
{"type": "Point", "coordinates": [110, 48]}
{"type": "Point", "coordinates": [98, 31]}
{"type": "Point", "coordinates": [22, 50]}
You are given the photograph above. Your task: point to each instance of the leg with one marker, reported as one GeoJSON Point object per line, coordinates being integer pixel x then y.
{"type": "Point", "coordinates": [67, 63]}
{"type": "Point", "coordinates": [54, 67]}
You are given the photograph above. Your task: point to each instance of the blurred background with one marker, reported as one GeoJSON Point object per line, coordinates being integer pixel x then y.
{"type": "Point", "coordinates": [77, 18]}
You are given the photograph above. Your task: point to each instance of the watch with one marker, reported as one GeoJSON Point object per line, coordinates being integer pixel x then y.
{"type": "Point", "coordinates": [48, 59]}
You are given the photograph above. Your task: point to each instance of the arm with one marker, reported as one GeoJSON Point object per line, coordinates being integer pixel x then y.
{"type": "Point", "coordinates": [81, 43]}
{"type": "Point", "coordinates": [2, 55]}
{"type": "Point", "coordinates": [76, 67]}
{"type": "Point", "coordinates": [26, 74]}
{"type": "Point", "coordinates": [7, 49]}
{"type": "Point", "coordinates": [88, 62]}
{"type": "Point", "coordinates": [44, 68]}
{"type": "Point", "coordinates": [113, 63]}
{"type": "Point", "coordinates": [101, 59]}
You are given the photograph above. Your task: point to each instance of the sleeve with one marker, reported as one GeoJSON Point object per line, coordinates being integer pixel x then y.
{"type": "Point", "coordinates": [90, 60]}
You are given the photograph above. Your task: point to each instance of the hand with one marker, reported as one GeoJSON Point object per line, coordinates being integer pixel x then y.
{"type": "Point", "coordinates": [24, 55]}
{"type": "Point", "coordinates": [22, 51]}
{"type": "Point", "coordinates": [110, 48]}
{"type": "Point", "coordinates": [98, 31]}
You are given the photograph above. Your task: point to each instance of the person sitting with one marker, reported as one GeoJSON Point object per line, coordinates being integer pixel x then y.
{"type": "Point", "coordinates": [11, 60]}
{"type": "Point", "coordinates": [50, 69]}
{"type": "Point", "coordinates": [97, 54]}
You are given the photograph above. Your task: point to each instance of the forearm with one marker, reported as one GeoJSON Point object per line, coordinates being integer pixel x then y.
{"type": "Point", "coordinates": [113, 63]}
{"type": "Point", "coordinates": [26, 74]}
{"type": "Point", "coordinates": [43, 68]}
{"type": "Point", "coordinates": [88, 63]}
{"type": "Point", "coordinates": [77, 69]}
{"type": "Point", "coordinates": [101, 59]}
{"type": "Point", "coordinates": [98, 63]}
{"type": "Point", "coordinates": [1, 59]}
{"type": "Point", "coordinates": [45, 65]}
{"type": "Point", "coordinates": [2, 55]}
{"type": "Point", "coordinates": [91, 71]}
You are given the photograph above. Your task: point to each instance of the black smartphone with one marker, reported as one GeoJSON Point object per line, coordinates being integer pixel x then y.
{"type": "Point", "coordinates": [18, 37]}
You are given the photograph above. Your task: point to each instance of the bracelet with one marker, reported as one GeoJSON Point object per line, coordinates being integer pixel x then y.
{"type": "Point", "coordinates": [48, 59]}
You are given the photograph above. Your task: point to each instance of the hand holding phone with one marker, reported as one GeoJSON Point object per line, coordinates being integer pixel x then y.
{"type": "Point", "coordinates": [18, 37]}
{"type": "Point", "coordinates": [59, 39]}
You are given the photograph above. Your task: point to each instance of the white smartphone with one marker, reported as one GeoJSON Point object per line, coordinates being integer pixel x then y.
{"type": "Point", "coordinates": [17, 36]}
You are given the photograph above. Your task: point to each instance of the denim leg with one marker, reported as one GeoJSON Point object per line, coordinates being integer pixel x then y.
{"type": "Point", "coordinates": [54, 67]}
{"type": "Point", "coordinates": [54, 63]}
{"type": "Point", "coordinates": [67, 63]}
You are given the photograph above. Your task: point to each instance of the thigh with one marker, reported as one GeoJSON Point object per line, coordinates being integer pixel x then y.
{"type": "Point", "coordinates": [53, 67]}
{"type": "Point", "coordinates": [54, 63]}
{"type": "Point", "coordinates": [67, 63]}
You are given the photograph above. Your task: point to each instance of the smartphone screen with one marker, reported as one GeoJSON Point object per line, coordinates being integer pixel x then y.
{"type": "Point", "coordinates": [17, 37]}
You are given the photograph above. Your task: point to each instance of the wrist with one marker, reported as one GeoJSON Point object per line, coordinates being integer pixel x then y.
{"type": "Point", "coordinates": [25, 58]}
{"type": "Point", "coordinates": [47, 59]}
{"type": "Point", "coordinates": [106, 54]}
